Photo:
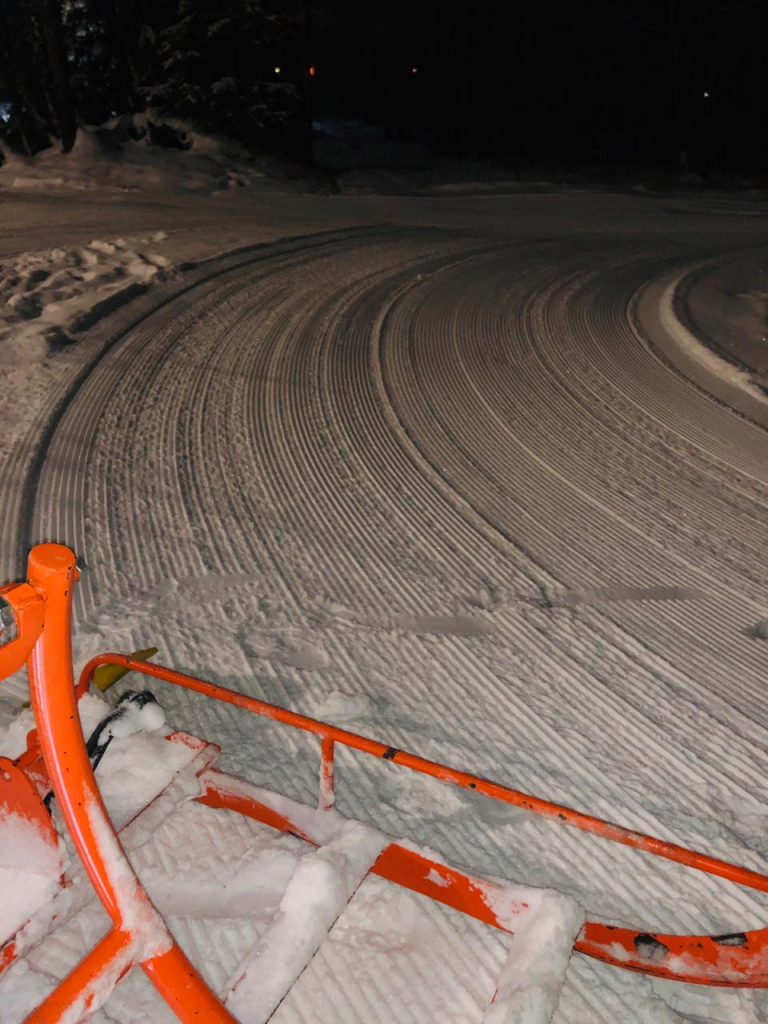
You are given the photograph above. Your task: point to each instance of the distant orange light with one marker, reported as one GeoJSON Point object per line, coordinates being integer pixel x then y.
{"type": "Point", "coordinates": [414, 71]}
{"type": "Point", "coordinates": [312, 70]}
{"type": "Point", "coordinates": [278, 70]}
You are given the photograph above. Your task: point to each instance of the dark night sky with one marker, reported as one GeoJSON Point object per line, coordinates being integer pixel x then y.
{"type": "Point", "coordinates": [601, 75]}
{"type": "Point", "coordinates": [662, 83]}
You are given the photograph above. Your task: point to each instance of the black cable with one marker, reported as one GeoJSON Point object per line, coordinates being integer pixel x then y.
{"type": "Point", "coordinates": [95, 746]}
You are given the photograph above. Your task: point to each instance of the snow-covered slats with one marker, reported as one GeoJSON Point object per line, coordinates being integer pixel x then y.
{"type": "Point", "coordinates": [533, 974]}
{"type": "Point", "coordinates": [323, 883]}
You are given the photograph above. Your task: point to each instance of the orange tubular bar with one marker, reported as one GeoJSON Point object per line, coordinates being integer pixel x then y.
{"type": "Point", "coordinates": [704, 960]}
{"type": "Point", "coordinates": [52, 574]}
{"type": "Point", "coordinates": [327, 796]}
{"type": "Point", "coordinates": [139, 936]}
{"type": "Point", "coordinates": [81, 991]}
{"type": "Point", "coordinates": [739, 959]}
{"type": "Point", "coordinates": [396, 863]}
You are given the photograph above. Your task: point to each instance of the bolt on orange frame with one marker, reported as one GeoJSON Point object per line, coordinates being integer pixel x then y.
{"type": "Point", "coordinates": [41, 618]}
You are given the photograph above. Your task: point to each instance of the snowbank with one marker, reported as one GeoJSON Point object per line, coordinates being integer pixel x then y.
{"type": "Point", "coordinates": [697, 351]}
{"type": "Point", "coordinates": [30, 868]}
{"type": "Point", "coordinates": [47, 298]}
{"type": "Point", "coordinates": [135, 153]}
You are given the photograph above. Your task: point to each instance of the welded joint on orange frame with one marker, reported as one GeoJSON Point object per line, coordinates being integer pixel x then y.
{"type": "Point", "coordinates": [91, 982]}
{"type": "Point", "coordinates": [25, 623]}
{"type": "Point", "coordinates": [327, 795]}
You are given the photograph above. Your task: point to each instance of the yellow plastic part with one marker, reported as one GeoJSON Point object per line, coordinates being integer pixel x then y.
{"type": "Point", "coordinates": [108, 675]}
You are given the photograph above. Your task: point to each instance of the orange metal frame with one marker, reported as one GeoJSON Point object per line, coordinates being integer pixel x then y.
{"type": "Point", "coordinates": [42, 610]}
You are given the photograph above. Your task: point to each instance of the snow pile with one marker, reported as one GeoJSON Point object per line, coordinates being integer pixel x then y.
{"type": "Point", "coordinates": [16, 727]}
{"type": "Point", "coordinates": [47, 298]}
{"type": "Point", "coordinates": [133, 152]}
{"type": "Point", "coordinates": [30, 869]}
{"type": "Point", "coordinates": [248, 887]}
{"type": "Point", "coordinates": [134, 768]}
{"type": "Point", "coordinates": [136, 717]}
{"type": "Point", "coordinates": [321, 887]}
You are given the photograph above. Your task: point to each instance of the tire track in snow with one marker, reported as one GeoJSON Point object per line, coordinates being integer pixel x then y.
{"type": "Point", "coordinates": [316, 424]}
{"type": "Point", "coordinates": [439, 391]}
{"type": "Point", "coordinates": [543, 444]}
{"type": "Point", "coordinates": [272, 418]}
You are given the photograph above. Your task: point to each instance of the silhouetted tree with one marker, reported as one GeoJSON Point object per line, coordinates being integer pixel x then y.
{"type": "Point", "coordinates": [216, 67]}
{"type": "Point", "coordinates": [26, 125]}
{"type": "Point", "coordinates": [65, 62]}
{"type": "Point", "coordinates": [62, 109]}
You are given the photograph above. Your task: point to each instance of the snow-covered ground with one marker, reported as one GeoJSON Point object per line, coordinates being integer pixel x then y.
{"type": "Point", "coordinates": [727, 303]}
{"type": "Point", "coordinates": [124, 156]}
{"type": "Point", "coordinates": [433, 469]}
{"type": "Point", "coordinates": [49, 298]}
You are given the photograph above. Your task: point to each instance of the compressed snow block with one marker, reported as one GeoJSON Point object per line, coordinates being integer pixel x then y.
{"type": "Point", "coordinates": [323, 883]}
{"type": "Point", "coordinates": [530, 981]}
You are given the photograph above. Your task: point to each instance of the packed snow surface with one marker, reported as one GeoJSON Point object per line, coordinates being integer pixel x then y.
{"type": "Point", "coordinates": [438, 472]}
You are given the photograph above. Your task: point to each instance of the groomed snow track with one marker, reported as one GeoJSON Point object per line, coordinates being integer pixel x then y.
{"type": "Point", "coordinates": [357, 474]}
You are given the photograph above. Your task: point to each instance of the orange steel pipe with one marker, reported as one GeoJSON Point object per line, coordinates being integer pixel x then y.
{"type": "Point", "coordinates": [738, 960]}
{"type": "Point", "coordinates": [557, 812]}
{"type": "Point", "coordinates": [396, 863]}
{"type": "Point", "coordinates": [184, 990]}
{"type": "Point", "coordinates": [327, 796]}
{"type": "Point", "coordinates": [82, 991]}
{"type": "Point", "coordinates": [52, 573]}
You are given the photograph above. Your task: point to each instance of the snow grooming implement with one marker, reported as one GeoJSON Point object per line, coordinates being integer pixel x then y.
{"type": "Point", "coordinates": [36, 621]}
